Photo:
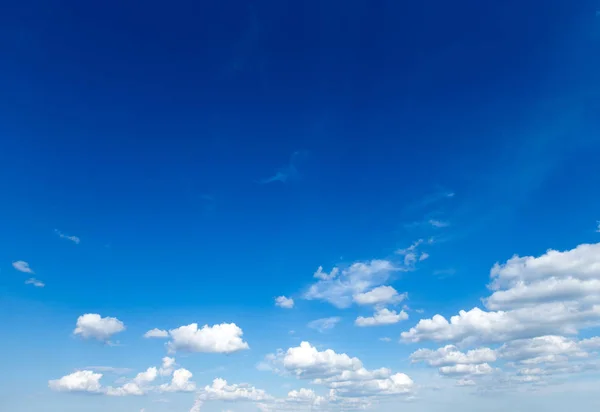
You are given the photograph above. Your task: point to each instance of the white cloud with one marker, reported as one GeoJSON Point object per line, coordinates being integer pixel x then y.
{"type": "Point", "coordinates": [221, 338]}
{"type": "Point", "coordinates": [130, 388]}
{"type": "Point", "coordinates": [324, 324]}
{"type": "Point", "coordinates": [180, 382]}
{"type": "Point", "coordinates": [385, 339]}
{"type": "Point", "coordinates": [424, 256]}
{"type": "Point", "coordinates": [156, 333]}
{"type": "Point", "coordinates": [379, 295]}
{"type": "Point", "coordinates": [80, 381]}
{"type": "Point", "coordinates": [319, 274]}
{"type": "Point", "coordinates": [339, 372]}
{"type": "Point", "coordinates": [339, 287]}
{"type": "Point", "coordinates": [92, 325]}
{"type": "Point", "coordinates": [466, 369]}
{"type": "Point", "coordinates": [451, 355]}
{"type": "Point", "coordinates": [146, 377]}
{"type": "Point", "coordinates": [438, 223]}
{"type": "Point", "coordinates": [556, 293]}
{"type": "Point", "coordinates": [35, 282]}
{"type": "Point", "coordinates": [382, 317]}
{"type": "Point", "coordinates": [167, 366]}
{"type": "Point", "coordinates": [22, 266]}
{"type": "Point", "coordinates": [73, 239]}
{"type": "Point", "coordinates": [221, 391]}
{"type": "Point", "coordinates": [284, 302]}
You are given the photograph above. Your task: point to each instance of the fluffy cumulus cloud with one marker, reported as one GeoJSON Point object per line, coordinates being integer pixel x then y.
{"type": "Point", "coordinates": [558, 292]}
{"type": "Point", "coordinates": [382, 317]}
{"type": "Point", "coordinates": [221, 391]}
{"type": "Point", "coordinates": [156, 333]}
{"type": "Point", "coordinates": [181, 382]}
{"type": "Point", "coordinates": [80, 381]}
{"type": "Point", "coordinates": [22, 266]}
{"type": "Point", "coordinates": [284, 302]}
{"type": "Point", "coordinates": [167, 366]}
{"type": "Point", "coordinates": [379, 295]}
{"type": "Point", "coordinates": [221, 338]}
{"type": "Point", "coordinates": [341, 285]}
{"type": "Point", "coordinates": [339, 372]}
{"type": "Point", "coordinates": [92, 325]}
{"type": "Point", "coordinates": [536, 307]}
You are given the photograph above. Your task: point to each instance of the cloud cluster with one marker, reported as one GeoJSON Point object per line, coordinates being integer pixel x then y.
{"type": "Point", "coordinates": [340, 286]}
{"type": "Point", "coordinates": [382, 317]}
{"type": "Point", "coordinates": [537, 304]}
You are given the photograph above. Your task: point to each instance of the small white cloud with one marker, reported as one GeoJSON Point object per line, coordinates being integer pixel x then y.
{"type": "Point", "coordinates": [324, 324]}
{"type": "Point", "coordinates": [423, 256]}
{"type": "Point", "coordinates": [379, 295]}
{"type": "Point", "coordinates": [180, 382]}
{"type": "Point", "coordinates": [438, 223]}
{"type": "Point", "coordinates": [80, 381]}
{"type": "Point", "coordinates": [167, 366]}
{"type": "Point", "coordinates": [284, 302]}
{"type": "Point", "coordinates": [156, 333]}
{"type": "Point", "coordinates": [386, 339]}
{"type": "Point", "coordinates": [22, 266]}
{"type": "Point", "coordinates": [92, 325]}
{"type": "Point", "coordinates": [222, 338]}
{"type": "Point", "coordinates": [320, 274]}
{"type": "Point", "coordinates": [73, 239]}
{"type": "Point", "coordinates": [381, 317]}
{"type": "Point", "coordinates": [35, 282]}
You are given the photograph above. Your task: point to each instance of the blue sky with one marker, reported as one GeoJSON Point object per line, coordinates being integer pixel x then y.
{"type": "Point", "coordinates": [197, 162]}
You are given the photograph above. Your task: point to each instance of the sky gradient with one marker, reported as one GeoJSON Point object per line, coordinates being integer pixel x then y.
{"type": "Point", "coordinates": [329, 205]}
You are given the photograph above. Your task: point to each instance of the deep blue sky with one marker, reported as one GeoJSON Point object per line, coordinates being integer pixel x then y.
{"type": "Point", "coordinates": [150, 130]}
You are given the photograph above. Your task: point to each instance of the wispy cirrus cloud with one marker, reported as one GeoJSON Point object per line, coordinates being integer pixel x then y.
{"type": "Point", "coordinates": [61, 235]}
{"type": "Point", "coordinates": [287, 173]}
{"type": "Point", "coordinates": [22, 266]}
{"type": "Point", "coordinates": [324, 324]}
{"type": "Point", "coordinates": [35, 282]}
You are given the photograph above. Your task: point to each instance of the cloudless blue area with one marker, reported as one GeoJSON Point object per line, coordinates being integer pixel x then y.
{"type": "Point", "coordinates": [150, 131]}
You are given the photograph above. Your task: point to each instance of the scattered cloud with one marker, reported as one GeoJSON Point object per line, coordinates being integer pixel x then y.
{"type": "Point", "coordinates": [35, 282]}
{"type": "Point", "coordinates": [156, 333]}
{"type": "Point", "coordinates": [80, 381]}
{"type": "Point", "coordinates": [284, 302]}
{"type": "Point", "coordinates": [382, 317]}
{"type": "Point", "coordinates": [181, 382]}
{"type": "Point", "coordinates": [380, 295]}
{"type": "Point", "coordinates": [385, 339]}
{"type": "Point", "coordinates": [92, 325]}
{"type": "Point", "coordinates": [341, 285]}
{"type": "Point", "coordinates": [221, 338]}
{"type": "Point", "coordinates": [167, 366]}
{"type": "Point", "coordinates": [22, 266]}
{"type": "Point", "coordinates": [287, 173]}
{"type": "Point", "coordinates": [324, 324]}
{"type": "Point", "coordinates": [220, 390]}
{"type": "Point", "coordinates": [73, 239]}
{"type": "Point", "coordinates": [558, 292]}
{"type": "Point", "coordinates": [438, 223]}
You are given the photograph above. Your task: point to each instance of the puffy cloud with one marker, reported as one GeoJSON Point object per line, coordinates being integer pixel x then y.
{"type": "Point", "coordinates": [555, 293]}
{"type": "Point", "coordinates": [305, 396]}
{"type": "Point", "coordinates": [466, 369]}
{"type": "Point", "coordinates": [167, 366]}
{"type": "Point", "coordinates": [438, 223]}
{"type": "Point", "coordinates": [148, 376]}
{"type": "Point", "coordinates": [284, 302]}
{"type": "Point", "coordinates": [340, 372]}
{"type": "Point", "coordinates": [35, 282]}
{"type": "Point", "coordinates": [130, 388]}
{"type": "Point", "coordinates": [324, 324]}
{"type": "Point", "coordinates": [451, 355]}
{"type": "Point", "coordinates": [73, 239]}
{"type": "Point", "coordinates": [180, 382]}
{"type": "Point", "coordinates": [92, 325]}
{"type": "Point", "coordinates": [379, 295]}
{"type": "Point", "coordinates": [382, 317]}
{"type": "Point", "coordinates": [221, 391]}
{"type": "Point", "coordinates": [22, 266]}
{"type": "Point", "coordinates": [80, 381]}
{"type": "Point", "coordinates": [340, 286]}
{"type": "Point", "coordinates": [221, 338]}
{"type": "Point", "coordinates": [320, 274]}
{"type": "Point", "coordinates": [156, 333]}
{"type": "Point", "coordinates": [541, 349]}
